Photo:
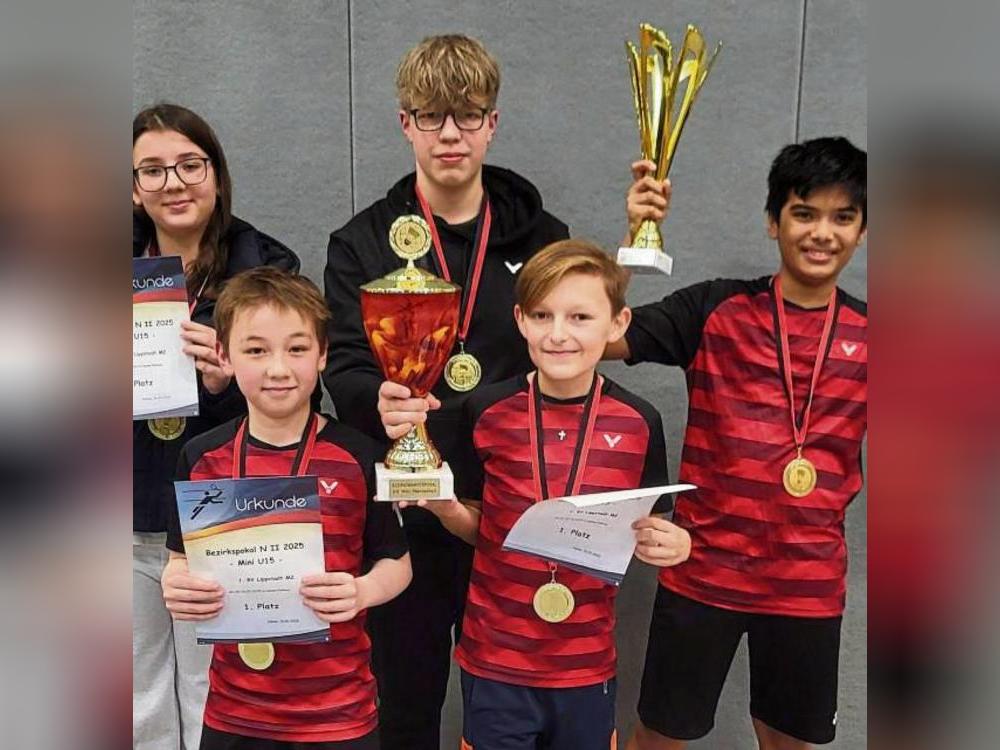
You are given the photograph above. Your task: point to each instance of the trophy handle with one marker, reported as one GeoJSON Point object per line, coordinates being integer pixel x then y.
{"type": "Point", "coordinates": [655, 61]}
{"type": "Point", "coordinates": [662, 70]}
{"type": "Point", "coordinates": [632, 55]}
{"type": "Point", "coordinates": [690, 67]}
{"type": "Point", "coordinates": [647, 124]}
{"type": "Point", "coordinates": [708, 67]}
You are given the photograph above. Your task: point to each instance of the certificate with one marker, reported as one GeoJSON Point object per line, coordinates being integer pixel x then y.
{"type": "Point", "coordinates": [256, 537]}
{"type": "Point", "coordinates": [164, 382]}
{"type": "Point", "coordinates": [589, 533]}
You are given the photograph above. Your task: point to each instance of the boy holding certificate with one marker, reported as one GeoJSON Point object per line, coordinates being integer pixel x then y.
{"type": "Point", "coordinates": [777, 378]}
{"type": "Point", "coordinates": [271, 331]}
{"type": "Point", "coordinates": [537, 651]}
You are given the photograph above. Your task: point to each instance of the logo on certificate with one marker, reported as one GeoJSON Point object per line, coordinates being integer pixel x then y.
{"type": "Point", "coordinates": [203, 499]}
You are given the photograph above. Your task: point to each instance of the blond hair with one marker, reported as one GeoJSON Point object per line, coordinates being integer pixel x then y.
{"type": "Point", "coordinates": [449, 70]}
{"type": "Point", "coordinates": [555, 262]}
{"type": "Point", "coordinates": [268, 286]}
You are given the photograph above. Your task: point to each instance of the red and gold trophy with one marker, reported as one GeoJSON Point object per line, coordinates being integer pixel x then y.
{"type": "Point", "coordinates": [411, 320]}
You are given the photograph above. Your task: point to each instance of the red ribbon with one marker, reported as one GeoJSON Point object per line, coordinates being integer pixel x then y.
{"type": "Point", "coordinates": [483, 236]}
{"type": "Point", "coordinates": [799, 432]}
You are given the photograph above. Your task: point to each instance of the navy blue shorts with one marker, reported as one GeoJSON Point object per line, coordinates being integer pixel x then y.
{"type": "Point", "coordinates": [500, 716]}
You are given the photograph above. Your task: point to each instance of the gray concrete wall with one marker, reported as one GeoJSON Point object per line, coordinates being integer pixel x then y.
{"type": "Point", "coordinates": [301, 94]}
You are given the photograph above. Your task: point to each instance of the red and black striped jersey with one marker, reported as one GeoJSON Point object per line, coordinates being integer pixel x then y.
{"type": "Point", "coordinates": [318, 692]}
{"type": "Point", "coordinates": [755, 548]}
{"type": "Point", "coordinates": [502, 637]}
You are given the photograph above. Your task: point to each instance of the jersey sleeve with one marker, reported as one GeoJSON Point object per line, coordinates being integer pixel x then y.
{"type": "Point", "coordinates": [669, 331]}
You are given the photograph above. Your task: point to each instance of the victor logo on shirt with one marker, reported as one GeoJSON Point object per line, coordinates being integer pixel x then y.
{"type": "Point", "coordinates": [513, 267]}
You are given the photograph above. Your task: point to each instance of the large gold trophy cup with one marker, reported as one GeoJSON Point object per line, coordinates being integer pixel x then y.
{"type": "Point", "coordinates": [411, 321]}
{"type": "Point", "coordinates": [657, 79]}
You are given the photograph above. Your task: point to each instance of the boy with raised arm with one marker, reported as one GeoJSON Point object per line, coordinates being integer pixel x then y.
{"type": "Point", "coordinates": [777, 384]}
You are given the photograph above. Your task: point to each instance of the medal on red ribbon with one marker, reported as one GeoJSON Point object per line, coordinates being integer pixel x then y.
{"type": "Point", "coordinates": [462, 372]}
{"type": "Point", "coordinates": [799, 476]}
{"type": "Point", "coordinates": [553, 601]}
{"type": "Point", "coordinates": [260, 655]}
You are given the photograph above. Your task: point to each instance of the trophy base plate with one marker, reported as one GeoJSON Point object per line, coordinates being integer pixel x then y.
{"type": "Point", "coordinates": [393, 485]}
{"type": "Point", "coordinates": [645, 260]}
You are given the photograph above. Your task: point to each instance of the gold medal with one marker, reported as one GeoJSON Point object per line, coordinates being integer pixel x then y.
{"type": "Point", "coordinates": [462, 372]}
{"type": "Point", "coordinates": [410, 237]}
{"type": "Point", "coordinates": [553, 602]}
{"type": "Point", "coordinates": [167, 428]}
{"type": "Point", "coordinates": [799, 477]}
{"type": "Point", "coordinates": [257, 656]}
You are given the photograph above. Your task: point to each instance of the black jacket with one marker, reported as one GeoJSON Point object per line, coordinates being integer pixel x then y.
{"type": "Point", "coordinates": [359, 252]}
{"type": "Point", "coordinates": [154, 461]}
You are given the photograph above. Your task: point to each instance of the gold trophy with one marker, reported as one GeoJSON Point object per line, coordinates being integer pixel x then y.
{"type": "Point", "coordinates": [411, 321]}
{"type": "Point", "coordinates": [657, 77]}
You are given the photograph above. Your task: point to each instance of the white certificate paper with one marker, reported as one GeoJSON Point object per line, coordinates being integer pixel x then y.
{"type": "Point", "coordinates": [589, 533]}
{"type": "Point", "coordinates": [164, 381]}
{"type": "Point", "coordinates": [257, 537]}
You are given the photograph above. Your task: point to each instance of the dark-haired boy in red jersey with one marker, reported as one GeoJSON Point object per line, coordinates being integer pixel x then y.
{"type": "Point", "coordinates": [528, 681]}
{"type": "Point", "coordinates": [272, 338]}
{"type": "Point", "coordinates": [777, 382]}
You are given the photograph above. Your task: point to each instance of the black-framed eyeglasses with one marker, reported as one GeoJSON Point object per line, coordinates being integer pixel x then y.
{"type": "Point", "coordinates": [153, 178]}
{"type": "Point", "coordinates": [469, 119]}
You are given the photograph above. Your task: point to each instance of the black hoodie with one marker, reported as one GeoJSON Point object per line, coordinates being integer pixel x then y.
{"type": "Point", "coordinates": [154, 461]}
{"type": "Point", "coordinates": [359, 252]}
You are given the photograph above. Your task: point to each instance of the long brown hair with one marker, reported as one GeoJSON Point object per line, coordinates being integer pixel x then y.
{"type": "Point", "coordinates": [213, 255]}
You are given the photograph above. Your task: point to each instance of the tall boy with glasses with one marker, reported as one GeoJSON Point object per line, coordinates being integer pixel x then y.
{"type": "Point", "coordinates": [487, 223]}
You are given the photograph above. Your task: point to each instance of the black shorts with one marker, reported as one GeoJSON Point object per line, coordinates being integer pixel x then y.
{"type": "Point", "coordinates": [793, 669]}
{"type": "Point", "coordinates": [213, 739]}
